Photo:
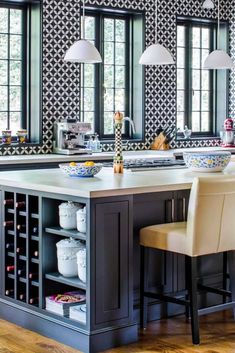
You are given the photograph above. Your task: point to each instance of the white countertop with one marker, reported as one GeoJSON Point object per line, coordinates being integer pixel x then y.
{"type": "Point", "coordinates": [56, 158]}
{"type": "Point", "coordinates": [105, 183]}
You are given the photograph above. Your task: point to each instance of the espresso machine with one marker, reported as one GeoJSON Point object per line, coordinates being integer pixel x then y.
{"type": "Point", "coordinates": [69, 137]}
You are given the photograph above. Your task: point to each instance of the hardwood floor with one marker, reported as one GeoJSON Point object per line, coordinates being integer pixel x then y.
{"type": "Point", "coordinates": [165, 336]}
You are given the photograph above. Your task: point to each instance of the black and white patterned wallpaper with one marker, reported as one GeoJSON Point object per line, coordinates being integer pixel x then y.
{"type": "Point", "coordinates": [61, 27]}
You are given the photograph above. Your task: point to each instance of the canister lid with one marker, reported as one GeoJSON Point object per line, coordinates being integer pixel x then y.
{"type": "Point", "coordinates": [69, 243]}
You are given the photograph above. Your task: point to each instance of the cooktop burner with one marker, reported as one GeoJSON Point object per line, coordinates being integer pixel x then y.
{"type": "Point", "coordinates": [149, 163]}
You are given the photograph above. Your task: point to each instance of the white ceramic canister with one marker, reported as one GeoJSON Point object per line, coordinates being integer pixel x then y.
{"type": "Point", "coordinates": [66, 256]}
{"type": "Point", "coordinates": [81, 220]}
{"type": "Point", "coordinates": [67, 213]}
{"type": "Point", "coordinates": [81, 262]}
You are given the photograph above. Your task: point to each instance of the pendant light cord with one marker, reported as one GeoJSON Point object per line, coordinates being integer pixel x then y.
{"type": "Point", "coordinates": [83, 19]}
{"type": "Point", "coordinates": [156, 21]}
{"type": "Point", "coordinates": [218, 34]}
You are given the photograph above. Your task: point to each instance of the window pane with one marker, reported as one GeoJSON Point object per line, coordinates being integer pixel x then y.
{"type": "Point", "coordinates": [196, 37]}
{"type": "Point", "coordinates": [15, 98]}
{"type": "Point", "coordinates": [109, 100]}
{"type": "Point", "coordinates": [120, 77]}
{"type": "Point", "coordinates": [180, 79]}
{"type": "Point", "coordinates": [15, 47]}
{"type": "Point", "coordinates": [89, 75]}
{"type": "Point", "coordinates": [205, 54]}
{"type": "Point", "coordinates": [108, 123]}
{"type": "Point", "coordinates": [3, 100]}
{"type": "Point", "coordinates": [180, 57]}
{"type": "Point", "coordinates": [205, 101]}
{"type": "Point", "coordinates": [89, 99]}
{"type": "Point", "coordinates": [3, 46]}
{"type": "Point", "coordinates": [120, 54]}
{"type": "Point", "coordinates": [180, 100]}
{"type": "Point", "coordinates": [196, 79]}
{"type": "Point", "coordinates": [120, 30]}
{"type": "Point", "coordinates": [205, 79]}
{"type": "Point", "coordinates": [3, 72]}
{"type": "Point", "coordinates": [15, 73]}
{"type": "Point", "coordinates": [89, 28]}
{"type": "Point", "coordinates": [196, 59]}
{"type": "Point", "coordinates": [120, 99]}
{"type": "Point", "coordinates": [180, 120]}
{"type": "Point", "coordinates": [15, 122]}
{"type": "Point", "coordinates": [180, 36]}
{"type": "Point", "coordinates": [196, 100]}
{"type": "Point", "coordinates": [4, 20]}
{"type": "Point", "coordinates": [195, 121]}
{"type": "Point", "coordinates": [108, 76]}
{"type": "Point", "coordinates": [3, 121]}
{"type": "Point", "coordinates": [15, 21]}
{"type": "Point", "coordinates": [89, 117]}
{"type": "Point", "coordinates": [108, 53]}
{"type": "Point", "coordinates": [108, 29]}
{"type": "Point", "coordinates": [205, 121]}
{"type": "Point", "coordinates": [205, 38]}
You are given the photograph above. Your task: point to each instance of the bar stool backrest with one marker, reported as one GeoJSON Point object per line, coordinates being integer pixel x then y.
{"type": "Point", "coordinates": [211, 215]}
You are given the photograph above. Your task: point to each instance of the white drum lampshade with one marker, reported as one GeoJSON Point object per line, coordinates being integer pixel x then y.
{"type": "Point", "coordinates": [208, 4]}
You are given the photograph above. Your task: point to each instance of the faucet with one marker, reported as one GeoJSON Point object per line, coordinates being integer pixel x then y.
{"type": "Point", "coordinates": [132, 125]}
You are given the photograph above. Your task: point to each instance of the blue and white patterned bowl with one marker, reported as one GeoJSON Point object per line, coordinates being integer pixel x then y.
{"type": "Point", "coordinates": [81, 170]}
{"type": "Point", "coordinates": [207, 161]}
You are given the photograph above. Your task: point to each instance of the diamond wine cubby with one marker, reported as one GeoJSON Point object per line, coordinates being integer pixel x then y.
{"type": "Point", "coordinates": [21, 239]}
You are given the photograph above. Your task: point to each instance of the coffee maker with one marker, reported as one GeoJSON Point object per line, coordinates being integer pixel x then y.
{"type": "Point", "coordinates": [69, 137]}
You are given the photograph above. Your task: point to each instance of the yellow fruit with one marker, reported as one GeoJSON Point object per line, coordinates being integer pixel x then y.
{"type": "Point", "coordinates": [89, 164]}
{"type": "Point", "coordinates": [72, 164]}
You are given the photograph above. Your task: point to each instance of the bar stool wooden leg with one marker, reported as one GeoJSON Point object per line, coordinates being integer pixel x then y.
{"type": "Point", "coordinates": [144, 256]}
{"type": "Point", "coordinates": [231, 265]}
{"type": "Point", "coordinates": [191, 264]}
{"type": "Point", "coordinates": [225, 260]}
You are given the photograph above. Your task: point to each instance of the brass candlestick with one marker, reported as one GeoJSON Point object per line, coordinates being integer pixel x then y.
{"type": "Point", "coordinates": [118, 158]}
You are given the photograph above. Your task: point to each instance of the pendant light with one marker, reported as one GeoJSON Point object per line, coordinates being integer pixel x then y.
{"type": "Point", "coordinates": [156, 54]}
{"type": "Point", "coordinates": [83, 51]}
{"type": "Point", "coordinates": [208, 5]}
{"type": "Point", "coordinates": [218, 59]}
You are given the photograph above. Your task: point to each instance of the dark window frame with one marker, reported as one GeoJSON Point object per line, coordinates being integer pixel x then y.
{"type": "Point", "coordinates": [212, 25]}
{"type": "Point", "coordinates": [24, 68]}
{"type": "Point", "coordinates": [99, 16]}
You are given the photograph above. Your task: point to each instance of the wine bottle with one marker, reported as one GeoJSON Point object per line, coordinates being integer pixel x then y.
{"type": "Point", "coordinates": [20, 250]}
{"type": "Point", "coordinates": [33, 275]}
{"type": "Point", "coordinates": [33, 300]}
{"type": "Point", "coordinates": [35, 230]}
{"type": "Point", "coordinates": [20, 204]}
{"type": "Point", "coordinates": [10, 268]}
{"type": "Point", "coordinates": [9, 292]}
{"type": "Point", "coordinates": [22, 296]}
{"type": "Point", "coordinates": [21, 227]}
{"type": "Point", "coordinates": [10, 246]}
{"type": "Point", "coordinates": [8, 224]}
{"type": "Point", "coordinates": [36, 254]}
{"type": "Point", "coordinates": [8, 202]}
{"type": "Point", "coordinates": [22, 272]}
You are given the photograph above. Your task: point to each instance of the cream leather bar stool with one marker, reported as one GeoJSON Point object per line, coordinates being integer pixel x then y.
{"type": "Point", "coordinates": [210, 229]}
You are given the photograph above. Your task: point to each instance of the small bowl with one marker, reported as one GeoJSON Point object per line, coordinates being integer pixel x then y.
{"type": "Point", "coordinates": [207, 161]}
{"type": "Point", "coordinates": [80, 170]}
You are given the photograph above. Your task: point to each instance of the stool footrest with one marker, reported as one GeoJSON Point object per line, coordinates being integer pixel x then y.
{"type": "Point", "coordinates": [215, 308]}
{"type": "Point", "coordinates": [166, 298]}
{"type": "Point", "coordinates": [214, 290]}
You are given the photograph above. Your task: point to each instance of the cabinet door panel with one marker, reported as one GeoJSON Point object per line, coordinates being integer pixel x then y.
{"type": "Point", "coordinates": [112, 237]}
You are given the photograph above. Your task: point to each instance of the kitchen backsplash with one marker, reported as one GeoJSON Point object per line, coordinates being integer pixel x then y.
{"type": "Point", "coordinates": [61, 80]}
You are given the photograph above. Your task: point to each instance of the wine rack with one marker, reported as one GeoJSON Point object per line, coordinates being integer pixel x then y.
{"type": "Point", "coordinates": [21, 239]}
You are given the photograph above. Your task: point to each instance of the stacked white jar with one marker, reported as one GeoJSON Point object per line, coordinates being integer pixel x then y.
{"type": "Point", "coordinates": [67, 250]}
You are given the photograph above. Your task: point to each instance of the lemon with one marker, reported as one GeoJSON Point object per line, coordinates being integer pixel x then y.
{"type": "Point", "coordinates": [89, 164]}
{"type": "Point", "coordinates": [72, 164]}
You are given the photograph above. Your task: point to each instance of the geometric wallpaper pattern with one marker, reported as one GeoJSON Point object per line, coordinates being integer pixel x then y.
{"type": "Point", "coordinates": [61, 80]}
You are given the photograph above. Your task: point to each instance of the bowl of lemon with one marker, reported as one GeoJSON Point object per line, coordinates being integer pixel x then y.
{"type": "Point", "coordinates": [81, 170]}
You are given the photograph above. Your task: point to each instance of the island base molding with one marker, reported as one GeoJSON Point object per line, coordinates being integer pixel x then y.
{"type": "Point", "coordinates": [96, 342]}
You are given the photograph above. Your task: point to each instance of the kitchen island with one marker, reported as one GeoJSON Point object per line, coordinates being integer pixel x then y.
{"type": "Point", "coordinates": [117, 207]}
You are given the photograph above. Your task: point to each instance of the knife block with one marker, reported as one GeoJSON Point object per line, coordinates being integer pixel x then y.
{"type": "Point", "coordinates": [160, 143]}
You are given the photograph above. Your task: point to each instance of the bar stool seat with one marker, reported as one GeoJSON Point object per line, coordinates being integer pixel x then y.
{"type": "Point", "coordinates": [210, 229]}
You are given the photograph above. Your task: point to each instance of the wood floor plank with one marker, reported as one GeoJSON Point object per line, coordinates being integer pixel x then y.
{"type": "Point", "coordinates": [165, 336]}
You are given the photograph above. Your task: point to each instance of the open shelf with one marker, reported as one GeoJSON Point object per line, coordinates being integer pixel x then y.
{"type": "Point", "coordinates": [35, 237]}
{"type": "Point", "coordinates": [11, 210]}
{"type": "Point", "coordinates": [22, 213]}
{"type": "Point", "coordinates": [71, 281]}
{"type": "Point", "coordinates": [34, 215]}
{"type": "Point", "coordinates": [66, 233]}
{"type": "Point", "coordinates": [11, 232]}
